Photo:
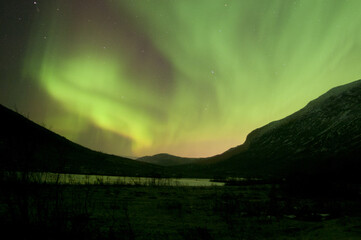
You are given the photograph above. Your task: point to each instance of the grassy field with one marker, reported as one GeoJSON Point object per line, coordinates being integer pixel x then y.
{"type": "Point", "coordinates": [54, 211]}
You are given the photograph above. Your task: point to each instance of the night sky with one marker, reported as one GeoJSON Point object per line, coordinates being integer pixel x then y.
{"type": "Point", "coordinates": [186, 77]}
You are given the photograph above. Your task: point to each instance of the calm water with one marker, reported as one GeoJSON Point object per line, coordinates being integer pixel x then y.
{"type": "Point", "coordinates": [99, 179]}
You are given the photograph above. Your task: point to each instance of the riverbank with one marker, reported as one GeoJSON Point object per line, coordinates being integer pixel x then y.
{"type": "Point", "coordinates": [86, 179]}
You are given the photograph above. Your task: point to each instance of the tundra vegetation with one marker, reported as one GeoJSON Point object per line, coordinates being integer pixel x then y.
{"type": "Point", "coordinates": [30, 207]}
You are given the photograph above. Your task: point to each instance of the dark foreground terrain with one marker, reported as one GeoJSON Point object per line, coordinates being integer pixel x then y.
{"type": "Point", "coordinates": [262, 211]}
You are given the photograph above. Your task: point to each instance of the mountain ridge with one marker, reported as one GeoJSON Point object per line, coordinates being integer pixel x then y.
{"type": "Point", "coordinates": [328, 127]}
{"type": "Point", "coordinates": [322, 138]}
{"type": "Point", "coordinates": [27, 146]}
{"type": "Point", "coordinates": [234, 150]}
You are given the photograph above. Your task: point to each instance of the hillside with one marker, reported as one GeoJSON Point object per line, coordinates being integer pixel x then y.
{"type": "Point", "coordinates": [24, 145]}
{"type": "Point", "coordinates": [322, 139]}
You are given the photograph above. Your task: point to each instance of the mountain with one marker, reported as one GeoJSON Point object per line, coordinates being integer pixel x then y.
{"type": "Point", "coordinates": [164, 159]}
{"type": "Point", "coordinates": [26, 146]}
{"type": "Point", "coordinates": [322, 139]}
{"type": "Point", "coordinates": [168, 160]}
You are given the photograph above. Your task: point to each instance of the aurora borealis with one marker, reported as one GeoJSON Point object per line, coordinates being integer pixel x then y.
{"type": "Point", "coordinates": [190, 78]}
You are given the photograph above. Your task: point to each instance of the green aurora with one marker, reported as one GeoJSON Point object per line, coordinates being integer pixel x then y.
{"type": "Point", "coordinates": [191, 78]}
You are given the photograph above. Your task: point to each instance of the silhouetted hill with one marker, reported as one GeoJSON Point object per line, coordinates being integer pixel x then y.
{"type": "Point", "coordinates": [322, 139]}
{"type": "Point", "coordinates": [24, 145]}
{"type": "Point", "coordinates": [164, 159]}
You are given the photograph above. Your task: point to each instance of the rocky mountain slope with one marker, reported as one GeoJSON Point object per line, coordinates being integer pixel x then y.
{"type": "Point", "coordinates": [323, 138]}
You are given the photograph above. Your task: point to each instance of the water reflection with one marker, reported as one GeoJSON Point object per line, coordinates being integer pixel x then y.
{"type": "Point", "coordinates": [62, 178]}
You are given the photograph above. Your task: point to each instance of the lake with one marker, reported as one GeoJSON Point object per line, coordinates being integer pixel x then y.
{"type": "Point", "coordinates": [64, 178]}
